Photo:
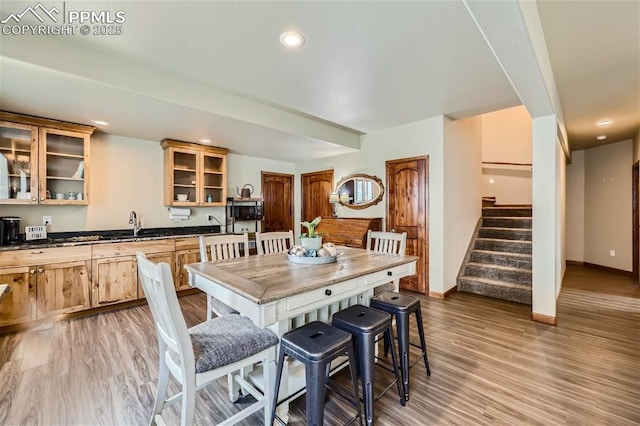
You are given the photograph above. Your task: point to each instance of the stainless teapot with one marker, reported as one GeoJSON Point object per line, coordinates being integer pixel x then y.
{"type": "Point", "coordinates": [245, 192]}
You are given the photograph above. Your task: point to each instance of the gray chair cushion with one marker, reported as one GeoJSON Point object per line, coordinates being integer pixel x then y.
{"type": "Point", "coordinates": [225, 340]}
{"type": "Point", "coordinates": [382, 288]}
{"type": "Point", "coordinates": [221, 308]}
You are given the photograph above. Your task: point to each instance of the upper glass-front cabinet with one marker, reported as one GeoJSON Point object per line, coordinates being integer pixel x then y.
{"type": "Point", "coordinates": [43, 161]}
{"type": "Point", "coordinates": [18, 163]}
{"type": "Point", "coordinates": [195, 175]}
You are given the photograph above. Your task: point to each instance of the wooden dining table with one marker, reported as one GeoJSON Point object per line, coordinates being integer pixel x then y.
{"type": "Point", "coordinates": [281, 295]}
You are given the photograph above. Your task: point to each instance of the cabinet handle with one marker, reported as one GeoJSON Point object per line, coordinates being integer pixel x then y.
{"type": "Point", "coordinates": [37, 252]}
{"type": "Point", "coordinates": [32, 271]}
{"type": "Point", "coordinates": [389, 273]}
{"type": "Point", "coordinates": [327, 292]}
{"type": "Point", "coordinates": [34, 199]}
{"type": "Point", "coordinates": [42, 199]}
{"type": "Point", "coordinates": [40, 270]}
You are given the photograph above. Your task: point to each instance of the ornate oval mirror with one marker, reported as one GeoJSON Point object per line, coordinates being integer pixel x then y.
{"type": "Point", "coordinates": [359, 191]}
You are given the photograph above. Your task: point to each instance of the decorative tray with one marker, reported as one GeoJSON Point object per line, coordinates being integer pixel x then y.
{"type": "Point", "coordinates": [312, 260]}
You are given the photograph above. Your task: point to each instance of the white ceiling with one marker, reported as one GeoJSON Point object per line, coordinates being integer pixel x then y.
{"type": "Point", "coordinates": [192, 70]}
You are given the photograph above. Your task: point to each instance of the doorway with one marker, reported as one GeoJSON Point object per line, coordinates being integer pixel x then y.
{"type": "Point", "coordinates": [635, 197]}
{"type": "Point", "coordinates": [316, 189]}
{"type": "Point", "coordinates": [277, 193]}
{"type": "Point", "coordinates": [407, 211]}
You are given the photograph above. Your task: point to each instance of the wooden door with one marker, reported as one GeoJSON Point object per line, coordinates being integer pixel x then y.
{"type": "Point", "coordinates": [316, 189]}
{"type": "Point", "coordinates": [115, 280]}
{"type": "Point", "coordinates": [62, 288]}
{"type": "Point", "coordinates": [407, 207]}
{"type": "Point", "coordinates": [277, 193]}
{"type": "Point", "coordinates": [16, 305]}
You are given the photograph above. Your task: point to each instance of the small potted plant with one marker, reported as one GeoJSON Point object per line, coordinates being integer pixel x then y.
{"type": "Point", "coordinates": [310, 239]}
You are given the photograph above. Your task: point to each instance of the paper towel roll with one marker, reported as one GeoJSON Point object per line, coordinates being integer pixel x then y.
{"type": "Point", "coordinates": [179, 212]}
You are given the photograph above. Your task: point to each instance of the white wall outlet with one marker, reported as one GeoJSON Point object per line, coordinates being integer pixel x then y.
{"type": "Point", "coordinates": [46, 220]}
{"type": "Point", "coordinates": [612, 253]}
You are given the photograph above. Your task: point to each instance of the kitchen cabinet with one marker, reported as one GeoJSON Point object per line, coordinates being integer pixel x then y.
{"type": "Point", "coordinates": [17, 304]}
{"type": "Point", "coordinates": [168, 257]}
{"type": "Point", "coordinates": [43, 161]}
{"type": "Point", "coordinates": [195, 172]}
{"type": "Point", "coordinates": [187, 251]}
{"type": "Point", "coordinates": [44, 282]}
{"type": "Point", "coordinates": [114, 271]}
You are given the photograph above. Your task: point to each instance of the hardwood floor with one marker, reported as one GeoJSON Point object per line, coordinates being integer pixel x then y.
{"type": "Point", "coordinates": [491, 365]}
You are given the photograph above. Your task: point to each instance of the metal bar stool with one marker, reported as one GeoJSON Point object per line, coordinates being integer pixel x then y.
{"type": "Point", "coordinates": [365, 324]}
{"type": "Point", "coordinates": [315, 345]}
{"type": "Point", "coordinates": [402, 306]}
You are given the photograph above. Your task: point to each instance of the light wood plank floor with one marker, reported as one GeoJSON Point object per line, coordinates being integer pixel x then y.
{"type": "Point", "coordinates": [490, 365]}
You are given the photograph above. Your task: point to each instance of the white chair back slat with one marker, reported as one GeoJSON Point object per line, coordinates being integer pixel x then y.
{"type": "Point", "coordinates": [387, 242]}
{"type": "Point", "coordinates": [273, 242]}
{"type": "Point", "coordinates": [223, 247]}
{"type": "Point", "coordinates": [160, 292]}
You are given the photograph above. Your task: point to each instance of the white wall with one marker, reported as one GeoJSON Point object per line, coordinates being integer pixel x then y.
{"type": "Point", "coordinates": [545, 204]}
{"type": "Point", "coordinates": [561, 215]}
{"type": "Point", "coordinates": [462, 190]}
{"type": "Point", "coordinates": [506, 138]}
{"type": "Point", "coordinates": [575, 207]}
{"type": "Point", "coordinates": [416, 139]}
{"type": "Point", "coordinates": [608, 218]}
{"type": "Point", "coordinates": [127, 174]}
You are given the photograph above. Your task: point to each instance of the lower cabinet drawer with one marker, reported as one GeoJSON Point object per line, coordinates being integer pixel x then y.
{"type": "Point", "coordinates": [387, 275]}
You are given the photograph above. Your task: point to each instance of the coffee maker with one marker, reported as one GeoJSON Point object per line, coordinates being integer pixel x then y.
{"type": "Point", "coordinates": [9, 230]}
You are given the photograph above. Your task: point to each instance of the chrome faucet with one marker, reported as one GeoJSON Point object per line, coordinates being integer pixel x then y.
{"type": "Point", "coordinates": [133, 220]}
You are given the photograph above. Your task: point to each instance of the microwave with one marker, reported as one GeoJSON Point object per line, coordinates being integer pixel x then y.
{"type": "Point", "coordinates": [247, 212]}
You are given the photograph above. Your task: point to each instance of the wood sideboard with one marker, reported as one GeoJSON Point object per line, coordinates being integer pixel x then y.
{"type": "Point", "coordinates": [348, 231]}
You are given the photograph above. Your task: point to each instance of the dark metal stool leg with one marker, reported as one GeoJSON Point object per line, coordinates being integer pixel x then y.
{"type": "Point", "coordinates": [423, 343]}
{"type": "Point", "coordinates": [402, 327]}
{"type": "Point", "coordinates": [315, 376]}
{"type": "Point", "coordinates": [388, 338]}
{"type": "Point", "coordinates": [274, 403]}
{"type": "Point", "coordinates": [354, 378]}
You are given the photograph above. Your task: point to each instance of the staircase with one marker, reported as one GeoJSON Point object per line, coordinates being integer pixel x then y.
{"type": "Point", "coordinates": [498, 262]}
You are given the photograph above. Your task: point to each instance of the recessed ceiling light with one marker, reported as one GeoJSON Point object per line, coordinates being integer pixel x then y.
{"type": "Point", "coordinates": [601, 137]}
{"type": "Point", "coordinates": [100, 122]}
{"type": "Point", "coordinates": [291, 39]}
{"type": "Point", "coordinates": [603, 123]}
{"type": "Point", "coordinates": [204, 140]}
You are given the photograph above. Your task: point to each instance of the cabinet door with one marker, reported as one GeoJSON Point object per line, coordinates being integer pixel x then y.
{"type": "Point", "coordinates": [18, 304]}
{"type": "Point", "coordinates": [18, 163]}
{"type": "Point", "coordinates": [181, 175]}
{"type": "Point", "coordinates": [184, 257]}
{"type": "Point", "coordinates": [213, 189]}
{"type": "Point", "coordinates": [114, 280]}
{"type": "Point", "coordinates": [169, 258]}
{"type": "Point", "coordinates": [63, 169]}
{"type": "Point", "coordinates": [62, 288]}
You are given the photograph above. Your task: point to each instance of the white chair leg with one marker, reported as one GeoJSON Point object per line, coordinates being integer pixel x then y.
{"type": "Point", "coordinates": [188, 401]}
{"type": "Point", "coordinates": [209, 309]}
{"type": "Point", "coordinates": [161, 391]}
{"type": "Point", "coordinates": [233, 387]}
{"type": "Point", "coordinates": [269, 375]}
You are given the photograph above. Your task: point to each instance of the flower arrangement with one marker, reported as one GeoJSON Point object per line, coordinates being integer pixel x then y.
{"type": "Point", "coordinates": [311, 228]}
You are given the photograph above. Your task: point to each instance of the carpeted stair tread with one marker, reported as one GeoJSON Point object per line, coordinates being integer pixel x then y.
{"type": "Point", "coordinates": [507, 211]}
{"type": "Point", "coordinates": [519, 260]}
{"type": "Point", "coordinates": [507, 222]}
{"type": "Point", "coordinates": [519, 234]}
{"type": "Point", "coordinates": [514, 292]}
{"type": "Point", "coordinates": [501, 273]}
{"type": "Point", "coordinates": [502, 245]}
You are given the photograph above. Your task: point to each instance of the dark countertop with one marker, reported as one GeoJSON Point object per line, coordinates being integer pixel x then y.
{"type": "Point", "coordinates": [65, 239]}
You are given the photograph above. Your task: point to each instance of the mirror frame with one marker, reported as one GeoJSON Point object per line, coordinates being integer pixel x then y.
{"type": "Point", "coordinates": [373, 202]}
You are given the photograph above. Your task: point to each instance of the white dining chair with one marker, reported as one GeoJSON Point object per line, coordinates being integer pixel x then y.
{"type": "Point", "coordinates": [201, 354]}
{"type": "Point", "coordinates": [273, 242]}
{"type": "Point", "coordinates": [221, 247]}
{"type": "Point", "coordinates": [387, 242]}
